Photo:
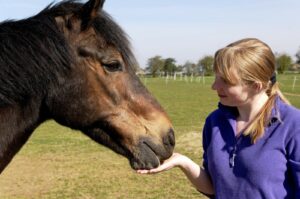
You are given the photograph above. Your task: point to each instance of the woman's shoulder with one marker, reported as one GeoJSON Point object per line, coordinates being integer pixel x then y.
{"type": "Point", "coordinates": [214, 114]}
{"type": "Point", "coordinates": [289, 117]}
{"type": "Point", "coordinates": [214, 117]}
{"type": "Point", "coordinates": [289, 112]}
{"type": "Point", "coordinates": [222, 112]}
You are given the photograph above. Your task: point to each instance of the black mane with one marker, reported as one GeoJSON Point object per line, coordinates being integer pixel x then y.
{"type": "Point", "coordinates": [34, 53]}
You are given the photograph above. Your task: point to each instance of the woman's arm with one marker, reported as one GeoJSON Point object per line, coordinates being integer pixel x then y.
{"type": "Point", "coordinates": [197, 175]}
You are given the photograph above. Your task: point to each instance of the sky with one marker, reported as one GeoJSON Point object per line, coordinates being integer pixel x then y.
{"type": "Point", "coordinates": [187, 30]}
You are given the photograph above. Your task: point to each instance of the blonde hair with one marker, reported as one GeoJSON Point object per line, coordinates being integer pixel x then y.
{"type": "Point", "coordinates": [248, 61]}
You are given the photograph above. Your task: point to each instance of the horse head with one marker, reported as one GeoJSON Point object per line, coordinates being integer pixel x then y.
{"type": "Point", "coordinates": [101, 94]}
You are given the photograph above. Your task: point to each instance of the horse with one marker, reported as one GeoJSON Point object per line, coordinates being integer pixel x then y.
{"type": "Point", "coordinates": [73, 63]}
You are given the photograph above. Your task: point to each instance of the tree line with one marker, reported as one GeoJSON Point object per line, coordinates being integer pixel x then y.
{"type": "Point", "coordinates": [158, 65]}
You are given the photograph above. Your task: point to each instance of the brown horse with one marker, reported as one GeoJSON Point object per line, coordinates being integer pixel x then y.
{"type": "Point", "coordinates": [72, 63]}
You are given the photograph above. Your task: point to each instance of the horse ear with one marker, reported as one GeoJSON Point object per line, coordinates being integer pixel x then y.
{"type": "Point", "coordinates": [89, 11]}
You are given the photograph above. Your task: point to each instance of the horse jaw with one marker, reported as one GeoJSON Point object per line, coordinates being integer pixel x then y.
{"type": "Point", "coordinates": [144, 155]}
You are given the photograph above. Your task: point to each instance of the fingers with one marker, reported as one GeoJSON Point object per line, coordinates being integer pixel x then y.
{"type": "Point", "coordinates": [173, 161]}
{"type": "Point", "coordinates": [144, 172]}
{"type": "Point", "coordinates": [163, 167]}
{"type": "Point", "coordinates": [151, 171]}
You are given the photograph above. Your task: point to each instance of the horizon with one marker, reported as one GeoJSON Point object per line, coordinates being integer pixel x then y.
{"type": "Point", "coordinates": [188, 30]}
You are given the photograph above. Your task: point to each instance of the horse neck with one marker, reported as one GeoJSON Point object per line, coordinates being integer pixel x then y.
{"type": "Point", "coordinates": [16, 125]}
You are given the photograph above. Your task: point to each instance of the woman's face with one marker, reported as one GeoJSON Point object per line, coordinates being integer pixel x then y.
{"type": "Point", "coordinates": [232, 95]}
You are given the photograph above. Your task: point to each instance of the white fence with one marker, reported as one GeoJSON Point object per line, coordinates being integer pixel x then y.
{"type": "Point", "coordinates": [288, 83]}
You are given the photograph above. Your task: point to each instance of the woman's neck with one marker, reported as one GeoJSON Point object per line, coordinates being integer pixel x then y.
{"type": "Point", "coordinates": [249, 111]}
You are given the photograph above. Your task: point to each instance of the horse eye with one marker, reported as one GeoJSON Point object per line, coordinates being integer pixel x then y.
{"type": "Point", "coordinates": [112, 67]}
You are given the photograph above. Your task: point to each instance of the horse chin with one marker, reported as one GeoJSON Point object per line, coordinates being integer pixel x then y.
{"type": "Point", "coordinates": [143, 156]}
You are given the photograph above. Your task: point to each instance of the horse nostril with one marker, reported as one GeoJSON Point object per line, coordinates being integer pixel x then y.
{"type": "Point", "coordinates": [169, 140]}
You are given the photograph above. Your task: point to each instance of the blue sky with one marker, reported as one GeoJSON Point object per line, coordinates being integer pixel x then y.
{"type": "Point", "coordinates": [190, 29]}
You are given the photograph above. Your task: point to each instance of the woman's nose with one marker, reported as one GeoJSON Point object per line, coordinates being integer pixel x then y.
{"type": "Point", "coordinates": [214, 86]}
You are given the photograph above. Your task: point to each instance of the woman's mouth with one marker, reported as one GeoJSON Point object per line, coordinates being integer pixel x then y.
{"type": "Point", "coordinates": [221, 95]}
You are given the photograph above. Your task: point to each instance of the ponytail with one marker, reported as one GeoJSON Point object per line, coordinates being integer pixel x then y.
{"type": "Point", "coordinates": [257, 127]}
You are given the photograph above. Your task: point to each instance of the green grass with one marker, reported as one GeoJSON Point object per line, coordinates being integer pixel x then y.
{"type": "Point", "coordinates": [58, 162]}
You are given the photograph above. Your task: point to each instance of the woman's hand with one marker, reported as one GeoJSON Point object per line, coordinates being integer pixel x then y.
{"type": "Point", "coordinates": [175, 160]}
{"type": "Point", "coordinates": [198, 176]}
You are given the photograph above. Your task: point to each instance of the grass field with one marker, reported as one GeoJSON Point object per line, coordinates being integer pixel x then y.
{"type": "Point", "coordinates": [58, 162]}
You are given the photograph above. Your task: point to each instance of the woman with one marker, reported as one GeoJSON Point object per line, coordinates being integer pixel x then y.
{"type": "Point", "coordinates": [252, 141]}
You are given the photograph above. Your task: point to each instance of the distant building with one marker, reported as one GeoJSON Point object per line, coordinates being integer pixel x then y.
{"type": "Point", "coordinates": [295, 67]}
{"type": "Point", "coordinates": [140, 71]}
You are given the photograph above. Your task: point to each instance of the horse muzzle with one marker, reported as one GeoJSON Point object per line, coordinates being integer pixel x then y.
{"type": "Point", "coordinates": [149, 154]}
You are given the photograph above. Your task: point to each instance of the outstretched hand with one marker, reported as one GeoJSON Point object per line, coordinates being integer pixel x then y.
{"type": "Point", "coordinates": [198, 176]}
{"type": "Point", "coordinates": [174, 161]}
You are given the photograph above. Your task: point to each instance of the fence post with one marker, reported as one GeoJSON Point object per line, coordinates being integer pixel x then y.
{"type": "Point", "coordinates": [167, 78]}
{"type": "Point", "coordinates": [185, 78]}
{"type": "Point", "coordinates": [294, 83]}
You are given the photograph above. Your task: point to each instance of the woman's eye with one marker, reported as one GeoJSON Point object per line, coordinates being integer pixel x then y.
{"type": "Point", "coordinates": [223, 80]}
{"type": "Point", "coordinates": [112, 67]}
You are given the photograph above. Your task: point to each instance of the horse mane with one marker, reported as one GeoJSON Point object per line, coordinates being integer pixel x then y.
{"type": "Point", "coordinates": [34, 53]}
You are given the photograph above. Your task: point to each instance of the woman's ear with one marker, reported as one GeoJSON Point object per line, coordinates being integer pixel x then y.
{"type": "Point", "coordinates": [258, 87]}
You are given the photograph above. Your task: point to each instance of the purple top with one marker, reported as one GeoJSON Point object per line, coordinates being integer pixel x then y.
{"type": "Point", "coordinates": [269, 169]}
